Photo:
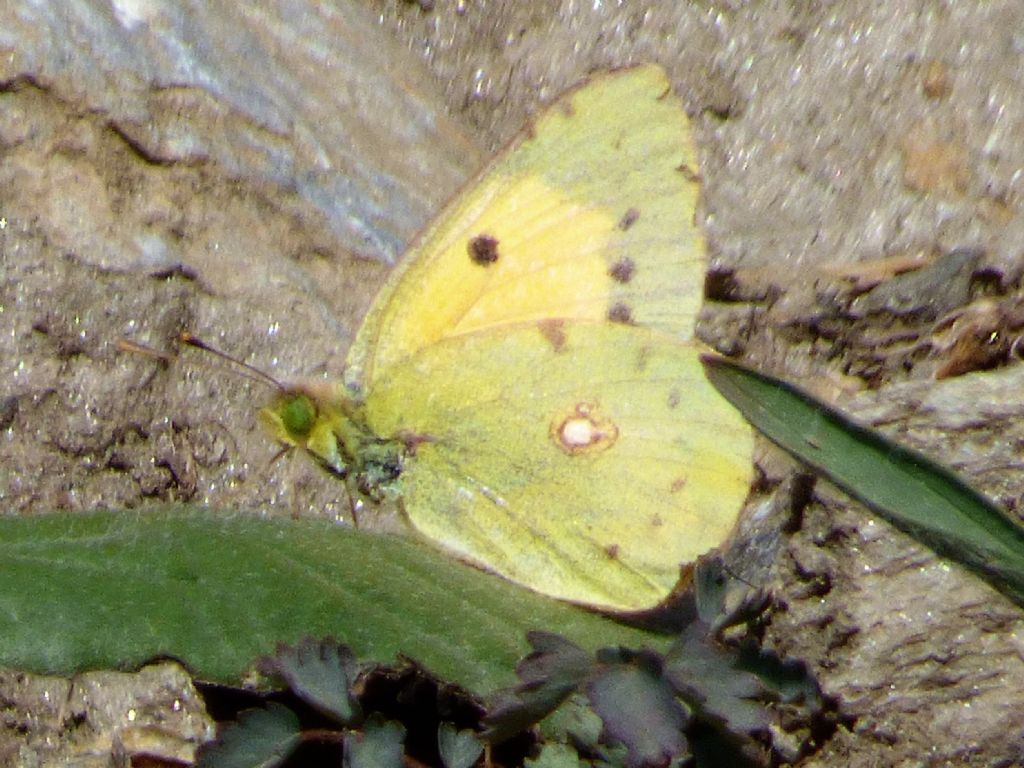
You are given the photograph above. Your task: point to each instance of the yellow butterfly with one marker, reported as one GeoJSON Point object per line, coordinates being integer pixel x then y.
{"type": "Point", "coordinates": [528, 382]}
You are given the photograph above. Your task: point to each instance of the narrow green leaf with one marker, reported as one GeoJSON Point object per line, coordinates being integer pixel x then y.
{"type": "Point", "coordinates": [114, 589]}
{"type": "Point", "coordinates": [914, 493]}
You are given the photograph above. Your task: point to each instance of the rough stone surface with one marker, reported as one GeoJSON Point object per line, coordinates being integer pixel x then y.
{"type": "Point", "coordinates": [247, 174]}
{"type": "Point", "coordinates": [100, 719]}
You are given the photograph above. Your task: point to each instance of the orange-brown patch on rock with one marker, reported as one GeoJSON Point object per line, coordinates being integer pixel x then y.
{"type": "Point", "coordinates": [935, 162]}
{"type": "Point", "coordinates": [935, 83]}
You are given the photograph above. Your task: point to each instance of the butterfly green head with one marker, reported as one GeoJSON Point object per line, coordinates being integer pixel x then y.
{"type": "Point", "coordinates": [327, 422]}
{"type": "Point", "coordinates": [324, 421]}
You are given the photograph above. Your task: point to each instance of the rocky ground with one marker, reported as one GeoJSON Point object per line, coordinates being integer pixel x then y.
{"type": "Point", "coordinates": [252, 174]}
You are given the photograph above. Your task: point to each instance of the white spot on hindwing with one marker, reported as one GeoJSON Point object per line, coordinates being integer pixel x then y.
{"type": "Point", "coordinates": [583, 428]}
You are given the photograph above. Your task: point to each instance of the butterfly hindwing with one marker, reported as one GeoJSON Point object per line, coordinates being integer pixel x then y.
{"type": "Point", "coordinates": [585, 460]}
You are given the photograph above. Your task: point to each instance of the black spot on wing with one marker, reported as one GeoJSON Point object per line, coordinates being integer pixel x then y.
{"type": "Point", "coordinates": [643, 357]}
{"type": "Point", "coordinates": [674, 398]}
{"type": "Point", "coordinates": [689, 173]}
{"type": "Point", "coordinates": [483, 250]}
{"type": "Point", "coordinates": [622, 271]}
{"type": "Point", "coordinates": [629, 218]}
{"type": "Point", "coordinates": [620, 312]}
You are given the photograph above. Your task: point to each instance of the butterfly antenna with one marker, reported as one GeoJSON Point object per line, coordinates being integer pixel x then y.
{"type": "Point", "coordinates": [732, 574]}
{"type": "Point", "coordinates": [135, 348]}
{"type": "Point", "coordinates": [284, 451]}
{"type": "Point", "coordinates": [249, 371]}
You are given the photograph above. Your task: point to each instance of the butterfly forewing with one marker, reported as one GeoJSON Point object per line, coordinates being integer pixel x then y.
{"type": "Point", "coordinates": [588, 215]}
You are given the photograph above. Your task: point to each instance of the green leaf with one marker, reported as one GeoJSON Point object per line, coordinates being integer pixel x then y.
{"type": "Point", "coordinates": [789, 680]}
{"type": "Point", "coordinates": [262, 738]}
{"type": "Point", "coordinates": [710, 586]}
{"type": "Point", "coordinates": [722, 601]}
{"type": "Point", "coordinates": [706, 676]}
{"type": "Point", "coordinates": [574, 722]}
{"type": "Point", "coordinates": [914, 493]}
{"type": "Point", "coordinates": [321, 673]}
{"type": "Point", "coordinates": [639, 708]}
{"type": "Point", "coordinates": [380, 745]}
{"type": "Point", "coordinates": [548, 676]}
{"type": "Point", "coordinates": [458, 749]}
{"type": "Point", "coordinates": [115, 589]}
{"type": "Point", "coordinates": [555, 756]}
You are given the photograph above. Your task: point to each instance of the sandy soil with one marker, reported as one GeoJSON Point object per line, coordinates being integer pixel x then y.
{"type": "Point", "coordinates": [251, 177]}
